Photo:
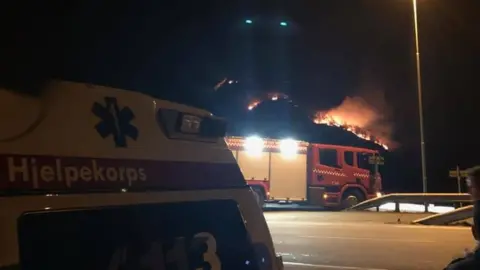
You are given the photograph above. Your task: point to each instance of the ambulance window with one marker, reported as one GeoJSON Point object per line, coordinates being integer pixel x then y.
{"type": "Point", "coordinates": [348, 157]}
{"type": "Point", "coordinates": [362, 161]}
{"type": "Point", "coordinates": [187, 235]}
{"type": "Point", "coordinates": [328, 157]}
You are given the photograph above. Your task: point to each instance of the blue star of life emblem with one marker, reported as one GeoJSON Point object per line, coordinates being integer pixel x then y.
{"type": "Point", "coordinates": [115, 121]}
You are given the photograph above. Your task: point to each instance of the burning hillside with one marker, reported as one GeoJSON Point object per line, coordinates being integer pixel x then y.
{"type": "Point", "coordinates": [357, 116]}
{"type": "Point", "coordinates": [270, 96]}
{"type": "Point", "coordinates": [354, 115]}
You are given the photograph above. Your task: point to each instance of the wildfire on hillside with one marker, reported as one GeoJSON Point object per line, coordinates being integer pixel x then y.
{"type": "Point", "coordinates": [270, 96]}
{"type": "Point", "coordinates": [335, 120]}
{"type": "Point", "coordinates": [252, 105]}
{"type": "Point", "coordinates": [357, 116]}
{"type": "Point", "coordinates": [354, 115]}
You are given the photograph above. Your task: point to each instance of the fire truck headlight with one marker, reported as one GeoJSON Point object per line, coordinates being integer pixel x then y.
{"type": "Point", "coordinates": [254, 145]}
{"type": "Point", "coordinates": [288, 148]}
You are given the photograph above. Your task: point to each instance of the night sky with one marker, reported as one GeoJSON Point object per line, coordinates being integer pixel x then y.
{"type": "Point", "coordinates": [179, 50]}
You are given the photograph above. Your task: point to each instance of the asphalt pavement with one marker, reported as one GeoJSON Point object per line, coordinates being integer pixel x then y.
{"type": "Point", "coordinates": [364, 241]}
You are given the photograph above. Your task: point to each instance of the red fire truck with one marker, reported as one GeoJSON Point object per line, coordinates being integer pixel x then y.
{"type": "Point", "coordinates": [297, 171]}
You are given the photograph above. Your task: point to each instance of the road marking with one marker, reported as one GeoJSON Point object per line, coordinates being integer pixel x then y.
{"type": "Point", "coordinates": [326, 266]}
{"type": "Point", "coordinates": [360, 224]}
{"type": "Point", "coordinates": [369, 239]}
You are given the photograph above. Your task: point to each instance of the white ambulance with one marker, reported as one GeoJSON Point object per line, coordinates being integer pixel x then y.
{"type": "Point", "coordinates": [99, 178]}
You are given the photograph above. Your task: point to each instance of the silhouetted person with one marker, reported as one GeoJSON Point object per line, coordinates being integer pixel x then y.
{"type": "Point", "coordinates": [471, 261]}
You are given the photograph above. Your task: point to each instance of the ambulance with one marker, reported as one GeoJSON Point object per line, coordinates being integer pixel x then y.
{"type": "Point", "coordinates": [94, 177]}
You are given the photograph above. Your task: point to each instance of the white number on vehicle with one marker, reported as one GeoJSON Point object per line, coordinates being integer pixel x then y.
{"type": "Point", "coordinates": [156, 258]}
{"type": "Point", "coordinates": [210, 255]}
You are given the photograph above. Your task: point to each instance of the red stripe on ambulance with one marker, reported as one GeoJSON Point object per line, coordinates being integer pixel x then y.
{"type": "Point", "coordinates": [54, 173]}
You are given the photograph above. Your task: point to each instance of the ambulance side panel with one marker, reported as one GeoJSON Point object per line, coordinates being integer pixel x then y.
{"type": "Point", "coordinates": [84, 148]}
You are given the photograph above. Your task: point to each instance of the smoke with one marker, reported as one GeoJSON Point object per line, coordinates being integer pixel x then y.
{"type": "Point", "coordinates": [354, 111]}
{"type": "Point", "coordinates": [369, 112]}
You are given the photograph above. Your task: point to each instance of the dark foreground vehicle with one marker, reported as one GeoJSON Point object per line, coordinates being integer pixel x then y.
{"type": "Point", "coordinates": [100, 178]}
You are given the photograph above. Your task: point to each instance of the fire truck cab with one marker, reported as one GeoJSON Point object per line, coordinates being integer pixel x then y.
{"type": "Point", "coordinates": [297, 171]}
{"type": "Point", "coordinates": [94, 177]}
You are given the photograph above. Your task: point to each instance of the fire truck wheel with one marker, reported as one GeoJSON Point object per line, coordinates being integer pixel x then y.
{"type": "Point", "coordinates": [351, 198]}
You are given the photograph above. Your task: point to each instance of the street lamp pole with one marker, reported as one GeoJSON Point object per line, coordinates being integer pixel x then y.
{"type": "Point", "coordinates": [420, 102]}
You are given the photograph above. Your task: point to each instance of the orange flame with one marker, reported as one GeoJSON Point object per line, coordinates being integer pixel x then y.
{"type": "Point", "coordinates": [270, 96]}
{"type": "Point", "coordinates": [252, 105]}
{"type": "Point", "coordinates": [354, 115]}
{"type": "Point", "coordinates": [276, 96]}
{"type": "Point", "coordinates": [335, 120]}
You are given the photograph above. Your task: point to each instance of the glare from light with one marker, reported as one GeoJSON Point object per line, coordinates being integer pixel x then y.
{"type": "Point", "coordinates": [288, 148]}
{"type": "Point", "coordinates": [248, 21]}
{"type": "Point", "coordinates": [254, 145]}
{"type": "Point", "coordinates": [379, 194]}
{"type": "Point", "coordinates": [283, 23]}
{"type": "Point", "coordinates": [413, 208]}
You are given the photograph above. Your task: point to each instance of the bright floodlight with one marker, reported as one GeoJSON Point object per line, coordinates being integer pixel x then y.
{"type": "Point", "coordinates": [288, 148]}
{"type": "Point", "coordinates": [254, 145]}
{"type": "Point", "coordinates": [248, 21]}
{"type": "Point", "coordinates": [283, 23]}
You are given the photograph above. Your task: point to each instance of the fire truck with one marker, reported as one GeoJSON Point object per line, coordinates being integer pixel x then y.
{"type": "Point", "coordinates": [326, 175]}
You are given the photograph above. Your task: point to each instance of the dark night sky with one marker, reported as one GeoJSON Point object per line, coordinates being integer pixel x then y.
{"type": "Point", "coordinates": [330, 49]}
